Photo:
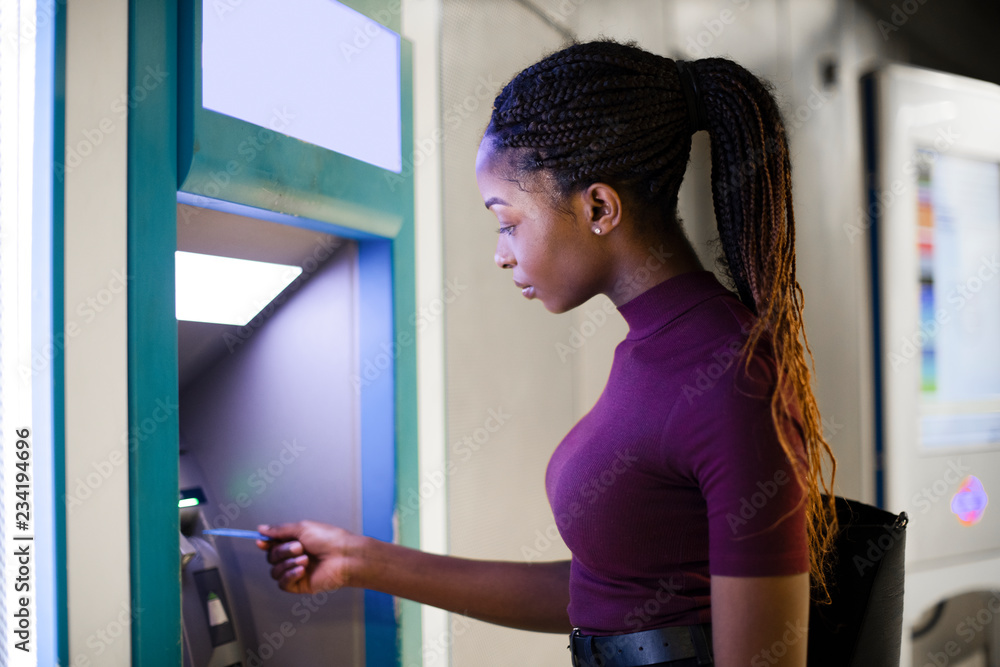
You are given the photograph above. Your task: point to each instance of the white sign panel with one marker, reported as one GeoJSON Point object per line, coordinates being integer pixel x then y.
{"type": "Point", "coordinates": [314, 69]}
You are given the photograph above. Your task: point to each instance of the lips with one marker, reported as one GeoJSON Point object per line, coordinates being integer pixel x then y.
{"type": "Point", "coordinates": [528, 291]}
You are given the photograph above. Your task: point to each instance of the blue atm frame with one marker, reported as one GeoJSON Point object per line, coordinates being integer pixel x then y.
{"type": "Point", "coordinates": [175, 146]}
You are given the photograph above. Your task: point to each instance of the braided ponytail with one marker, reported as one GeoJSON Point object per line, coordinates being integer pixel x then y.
{"type": "Point", "coordinates": [610, 112]}
{"type": "Point", "coordinates": [752, 196]}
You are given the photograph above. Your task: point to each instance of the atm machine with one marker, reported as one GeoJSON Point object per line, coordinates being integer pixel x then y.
{"type": "Point", "coordinates": [933, 149]}
{"type": "Point", "coordinates": [296, 396]}
{"type": "Point", "coordinates": [269, 431]}
{"type": "Point", "coordinates": [211, 636]}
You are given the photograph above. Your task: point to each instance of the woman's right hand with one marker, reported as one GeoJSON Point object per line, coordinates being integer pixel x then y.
{"type": "Point", "coordinates": [308, 556]}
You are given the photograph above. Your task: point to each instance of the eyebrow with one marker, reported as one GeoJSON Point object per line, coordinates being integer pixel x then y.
{"type": "Point", "coordinates": [495, 200]}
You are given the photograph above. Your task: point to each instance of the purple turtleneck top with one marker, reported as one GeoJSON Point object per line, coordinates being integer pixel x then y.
{"type": "Point", "coordinates": [677, 472]}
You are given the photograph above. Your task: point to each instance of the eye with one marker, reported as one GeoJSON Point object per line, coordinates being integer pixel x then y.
{"type": "Point", "coordinates": [508, 229]}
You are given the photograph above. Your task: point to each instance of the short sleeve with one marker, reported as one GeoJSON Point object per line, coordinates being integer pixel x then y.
{"type": "Point", "coordinates": [756, 508]}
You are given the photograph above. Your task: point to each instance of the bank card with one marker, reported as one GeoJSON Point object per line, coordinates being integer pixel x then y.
{"type": "Point", "coordinates": [236, 532]}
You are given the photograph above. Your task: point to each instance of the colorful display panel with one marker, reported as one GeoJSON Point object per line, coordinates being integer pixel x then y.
{"type": "Point", "coordinates": [958, 238]}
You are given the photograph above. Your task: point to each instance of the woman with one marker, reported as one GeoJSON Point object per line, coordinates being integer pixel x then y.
{"type": "Point", "coordinates": [690, 494]}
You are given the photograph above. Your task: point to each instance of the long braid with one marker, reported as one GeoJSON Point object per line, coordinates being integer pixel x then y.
{"type": "Point", "coordinates": [752, 194]}
{"type": "Point", "coordinates": [611, 112]}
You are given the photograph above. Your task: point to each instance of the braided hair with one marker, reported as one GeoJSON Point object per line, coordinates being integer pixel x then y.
{"type": "Point", "coordinates": [614, 113]}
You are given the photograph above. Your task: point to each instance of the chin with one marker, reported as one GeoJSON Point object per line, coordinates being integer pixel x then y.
{"type": "Point", "coordinates": [560, 307]}
{"type": "Point", "coordinates": [555, 309]}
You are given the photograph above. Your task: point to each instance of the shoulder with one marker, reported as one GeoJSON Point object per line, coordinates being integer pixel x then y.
{"type": "Point", "coordinates": [723, 407]}
{"type": "Point", "coordinates": [702, 354]}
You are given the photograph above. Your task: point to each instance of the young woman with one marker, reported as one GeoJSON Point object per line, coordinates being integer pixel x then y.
{"type": "Point", "coordinates": [690, 496]}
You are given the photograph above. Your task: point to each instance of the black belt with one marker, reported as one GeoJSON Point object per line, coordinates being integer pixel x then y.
{"type": "Point", "coordinates": [649, 647]}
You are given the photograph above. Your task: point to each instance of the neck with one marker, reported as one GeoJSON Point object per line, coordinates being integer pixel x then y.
{"type": "Point", "coordinates": [643, 263]}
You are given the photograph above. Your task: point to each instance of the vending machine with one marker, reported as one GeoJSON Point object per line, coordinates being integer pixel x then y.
{"type": "Point", "coordinates": [933, 147]}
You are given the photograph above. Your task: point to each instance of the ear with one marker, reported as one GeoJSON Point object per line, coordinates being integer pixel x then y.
{"type": "Point", "coordinates": [603, 207]}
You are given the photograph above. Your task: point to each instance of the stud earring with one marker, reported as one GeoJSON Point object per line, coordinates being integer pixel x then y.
{"type": "Point", "coordinates": [597, 230]}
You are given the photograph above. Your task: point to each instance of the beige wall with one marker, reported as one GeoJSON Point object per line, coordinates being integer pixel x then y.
{"type": "Point", "coordinates": [501, 351]}
{"type": "Point", "coordinates": [97, 570]}
{"type": "Point", "coordinates": [499, 348]}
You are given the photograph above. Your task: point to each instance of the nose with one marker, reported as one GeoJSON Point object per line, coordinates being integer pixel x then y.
{"type": "Point", "coordinates": [503, 257]}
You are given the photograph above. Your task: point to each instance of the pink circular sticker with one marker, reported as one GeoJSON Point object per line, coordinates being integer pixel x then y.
{"type": "Point", "coordinates": [969, 503]}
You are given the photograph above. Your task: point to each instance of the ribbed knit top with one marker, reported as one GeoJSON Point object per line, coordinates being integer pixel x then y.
{"type": "Point", "coordinates": [676, 473]}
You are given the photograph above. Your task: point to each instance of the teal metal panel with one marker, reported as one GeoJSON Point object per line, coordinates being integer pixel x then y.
{"type": "Point", "coordinates": [152, 334]}
{"type": "Point", "coordinates": [222, 157]}
{"type": "Point", "coordinates": [59, 332]}
{"type": "Point", "coordinates": [386, 12]}
{"type": "Point", "coordinates": [404, 269]}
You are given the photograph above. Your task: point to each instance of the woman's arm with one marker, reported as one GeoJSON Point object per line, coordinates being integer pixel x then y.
{"type": "Point", "coordinates": [313, 556]}
{"type": "Point", "coordinates": [760, 621]}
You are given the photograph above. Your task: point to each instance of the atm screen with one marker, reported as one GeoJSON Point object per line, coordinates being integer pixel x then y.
{"type": "Point", "coordinates": [958, 237]}
{"type": "Point", "coordinates": [315, 70]}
